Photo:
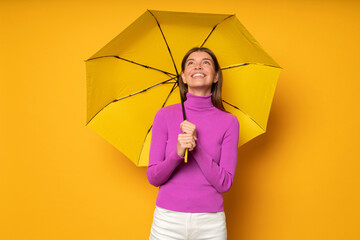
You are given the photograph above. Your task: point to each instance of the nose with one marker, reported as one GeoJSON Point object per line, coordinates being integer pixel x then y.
{"type": "Point", "coordinates": [198, 66]}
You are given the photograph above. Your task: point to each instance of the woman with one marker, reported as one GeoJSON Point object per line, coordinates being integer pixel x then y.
{"type": "Point", "coordinates": [189, 203]}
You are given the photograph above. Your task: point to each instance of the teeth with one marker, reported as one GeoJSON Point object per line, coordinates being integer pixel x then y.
{"type": "Point", "coordinates": [198, 75]}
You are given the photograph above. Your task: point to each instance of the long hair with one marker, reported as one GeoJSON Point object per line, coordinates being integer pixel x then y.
{"type": "Point", "coordinates": [216, 88]}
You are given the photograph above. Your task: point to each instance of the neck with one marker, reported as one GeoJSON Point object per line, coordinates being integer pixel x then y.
{"type": "Point", "coordinates": [199, 92]}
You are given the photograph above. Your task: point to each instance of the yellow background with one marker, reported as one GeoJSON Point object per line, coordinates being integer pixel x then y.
{"type": "Point", "coordinates": [61, 180]}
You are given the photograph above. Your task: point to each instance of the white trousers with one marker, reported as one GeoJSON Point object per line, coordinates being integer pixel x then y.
{"type": "Point", "coordinates": [170, 225]}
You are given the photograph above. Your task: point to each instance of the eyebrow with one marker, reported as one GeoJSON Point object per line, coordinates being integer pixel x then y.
{"type": "Point", "coordinates": [201, 59]}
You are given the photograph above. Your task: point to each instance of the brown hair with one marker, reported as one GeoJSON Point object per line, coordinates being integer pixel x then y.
{"type": "Point", "coordinates": [216, 88]}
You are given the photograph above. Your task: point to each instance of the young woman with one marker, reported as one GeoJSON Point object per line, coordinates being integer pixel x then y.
{"type": "Point", "coordinates": [189, 203]}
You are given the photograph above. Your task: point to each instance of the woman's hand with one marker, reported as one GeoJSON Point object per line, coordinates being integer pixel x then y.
{"type": "Point", "coordinates": [186, 140]}
{"type": "Point", "coordinates": [188, 127]}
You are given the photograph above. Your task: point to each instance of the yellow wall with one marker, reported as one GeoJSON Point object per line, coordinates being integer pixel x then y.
{"type": "Point", "coordinates": [61, 180]}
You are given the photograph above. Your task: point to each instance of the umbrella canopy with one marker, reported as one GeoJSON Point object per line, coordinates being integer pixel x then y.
{"type": "Point", "coordinates": [135, 74]}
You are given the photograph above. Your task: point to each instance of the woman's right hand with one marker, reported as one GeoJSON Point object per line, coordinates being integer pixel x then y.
{"type": "Point", "coordinates": [185, 141]}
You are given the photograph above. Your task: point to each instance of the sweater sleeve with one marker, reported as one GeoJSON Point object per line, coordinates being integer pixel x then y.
{"type": "Point", "coordinates": [160, 166]}
{"type": "Point", "coordinates": [220, 175]}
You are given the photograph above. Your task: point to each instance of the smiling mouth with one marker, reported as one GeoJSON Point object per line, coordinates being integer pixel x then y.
{"type": "Point", "coordinates": [198, 75]}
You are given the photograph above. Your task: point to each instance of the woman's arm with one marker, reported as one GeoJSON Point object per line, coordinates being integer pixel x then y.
{"type": "Point", "coordinates": [220, 175]}
{"type": "Point", "coordinates": [161, 168]}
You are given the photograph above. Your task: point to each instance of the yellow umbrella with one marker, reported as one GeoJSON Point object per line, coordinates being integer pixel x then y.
{"type": "Point", "coordinates": [135, 74]}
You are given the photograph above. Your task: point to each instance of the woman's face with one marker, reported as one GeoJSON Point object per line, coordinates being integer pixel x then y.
{"type": "Point", "coordinates": [199, 73]}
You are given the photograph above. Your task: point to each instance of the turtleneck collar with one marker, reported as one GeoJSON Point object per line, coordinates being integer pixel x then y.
{"type": "Point", "coordinates": [198, 102]}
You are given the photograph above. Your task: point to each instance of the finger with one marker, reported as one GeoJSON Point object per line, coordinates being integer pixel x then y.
{"type": "Point", "coordinates": [189, 137]}
{"type": "Point", "coordinates": [185, 139]}
{"type": "Point", "coordinates": [188, 130]}
{"type": "Point", "coordinates": [186, 145]}
{"type": "Point", "coordinates": [193, 145]}
{"type": "Point", "coordinates": [185, 135]}
{"type": "Point", "coordinates": [187, 124]}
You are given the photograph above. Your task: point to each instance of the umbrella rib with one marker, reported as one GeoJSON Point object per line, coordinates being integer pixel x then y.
{"type": "Point", "coordinates": [244, 64]}
{"type": "Point", "coordinates": [214, 29]}
{"type": "Point", "coordinates": [142, 65]}
{"type": "Point", "coordinates": [182, 100]}
{"type": "Point", "coordinates": [141, 91]}
{"type": "Point", "coordinates": [167, 45]}
{"type": "Point", "coordinates": [172, 89]}
{"type": "Point", "coordinates": [244, 114]}
{"type": "Point", "coordinates": [239, 65]}
{"type": "Point", "coordinates": [177, 73]}
{"type": "Point", "coordinates": [144, 90]}
{"type": "Point", "coordinates": [142, 147]}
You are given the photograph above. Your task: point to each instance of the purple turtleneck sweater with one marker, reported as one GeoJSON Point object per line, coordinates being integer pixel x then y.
{"type": "Point", "coordinates": [195, 186]}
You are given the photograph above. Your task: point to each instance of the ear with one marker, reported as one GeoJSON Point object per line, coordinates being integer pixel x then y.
{"type": "Point", "coordinates": [216, 78]}
{"type": "Point", "coordinates": [183, 77]}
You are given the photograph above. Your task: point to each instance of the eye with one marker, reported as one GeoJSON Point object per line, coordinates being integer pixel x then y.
{"type": "Point", "coordinates": [207, 62]}
{"type": "Point", "coordinates": [190, 63]}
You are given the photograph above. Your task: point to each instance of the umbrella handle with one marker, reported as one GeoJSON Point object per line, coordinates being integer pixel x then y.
{"type": "Point", "coordinates": [186, 155]}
